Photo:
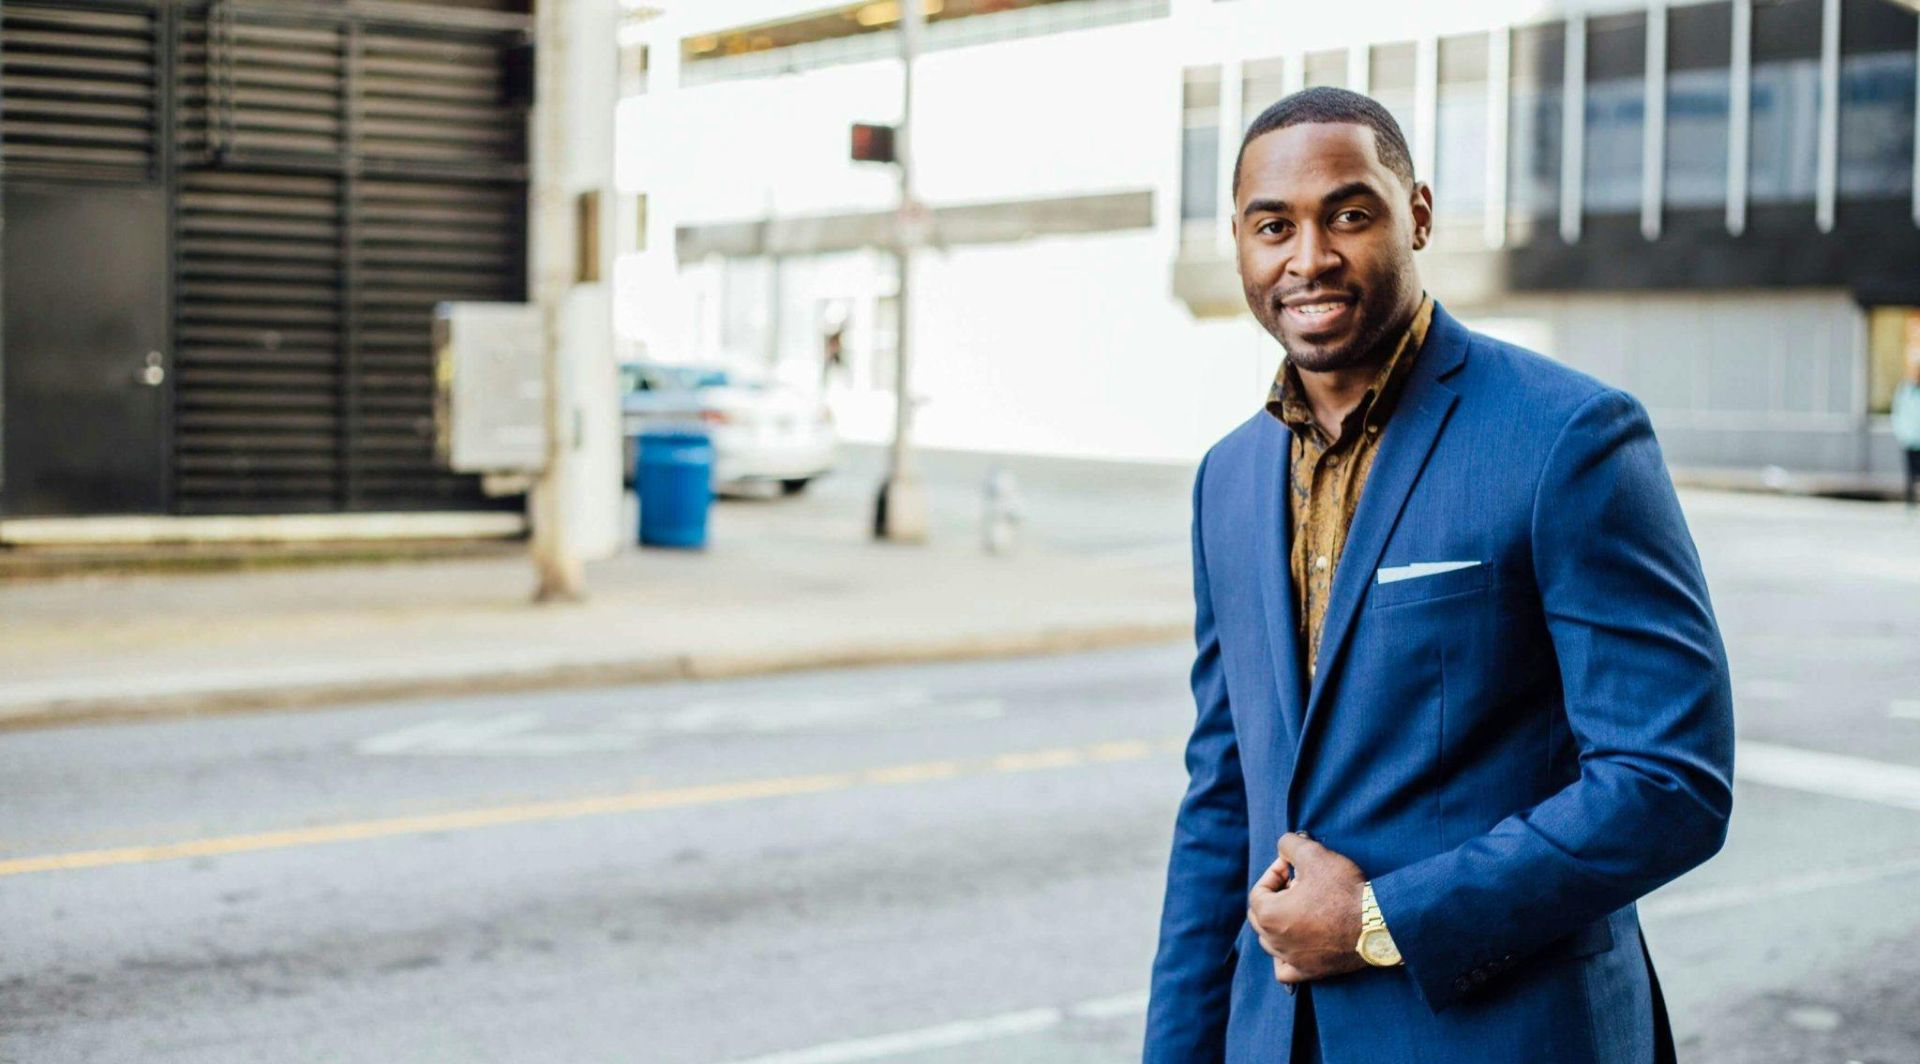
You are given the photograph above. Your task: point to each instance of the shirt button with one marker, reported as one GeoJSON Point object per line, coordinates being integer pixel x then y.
{"type": "Point", "coordinates": [1320, 563]}
{"type": "Point", "coordinates": [1373, 429]}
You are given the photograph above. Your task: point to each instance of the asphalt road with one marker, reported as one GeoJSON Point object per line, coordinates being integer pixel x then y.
{"type": "Point", "coordinates": [928, 864]}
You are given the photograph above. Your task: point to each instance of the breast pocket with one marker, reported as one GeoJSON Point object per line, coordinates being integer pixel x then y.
{"type": "Point", "coordinates": [1425, 588]}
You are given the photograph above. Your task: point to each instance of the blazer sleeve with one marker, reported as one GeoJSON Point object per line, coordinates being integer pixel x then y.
{"type": "Point", "coordinates": [1206, 899]}
{"type": "Point", "coordinates": [1647, 699]}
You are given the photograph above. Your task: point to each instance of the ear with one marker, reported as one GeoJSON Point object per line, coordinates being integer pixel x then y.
{"type": "Point", "coordinates": [1421, 202]}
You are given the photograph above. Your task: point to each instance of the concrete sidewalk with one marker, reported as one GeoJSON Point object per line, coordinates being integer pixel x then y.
{"type": "Point", "coordinates": [784, 584]}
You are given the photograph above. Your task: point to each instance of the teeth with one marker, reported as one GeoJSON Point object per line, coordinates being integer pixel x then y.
{"type": "Point", "coordinates": [1317, 308]}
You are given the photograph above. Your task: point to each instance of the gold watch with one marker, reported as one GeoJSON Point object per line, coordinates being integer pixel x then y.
{"type": "Point", "coordinates": [1376, 944]}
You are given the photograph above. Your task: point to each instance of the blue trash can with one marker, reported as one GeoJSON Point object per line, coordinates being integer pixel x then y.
{"type": "Point", "coordinates": [673, 476]}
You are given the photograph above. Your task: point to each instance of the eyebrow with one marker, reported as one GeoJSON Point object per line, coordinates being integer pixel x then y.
{"type": "Point", "coordinates": [1347, 191]}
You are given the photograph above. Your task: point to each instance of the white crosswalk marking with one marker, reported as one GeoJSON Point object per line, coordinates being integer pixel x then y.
{"type": "Point", "coordinates": [1834, 775]}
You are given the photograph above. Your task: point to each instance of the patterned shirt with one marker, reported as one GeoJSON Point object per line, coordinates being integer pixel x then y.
{"type": "Point", "coordinates": [1329, 474]}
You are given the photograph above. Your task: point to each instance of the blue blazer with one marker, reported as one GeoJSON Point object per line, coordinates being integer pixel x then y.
{"type": "Point", "coordinates": [1512, 749]}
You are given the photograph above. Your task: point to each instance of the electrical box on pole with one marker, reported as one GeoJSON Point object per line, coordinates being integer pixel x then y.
{"type": "Point", "coordinates": [490, 394]}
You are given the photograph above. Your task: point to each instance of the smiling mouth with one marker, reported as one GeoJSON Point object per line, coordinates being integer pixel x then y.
{"type": "Point", "coordinates": [1320, 314]}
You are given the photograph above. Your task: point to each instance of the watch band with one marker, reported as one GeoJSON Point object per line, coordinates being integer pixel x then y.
{"type": "Point", "coordinates": [1376, 945]}
{"type": "Point", "coordinates": [1370, 918]}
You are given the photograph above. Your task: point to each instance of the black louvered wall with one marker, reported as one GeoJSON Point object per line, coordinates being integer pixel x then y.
{"type": "Point", "coordinates": [335, 170]}
{"type": "Point", "coordinates": [80, 86]}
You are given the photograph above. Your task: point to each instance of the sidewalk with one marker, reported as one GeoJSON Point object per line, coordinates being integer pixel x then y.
{"type": "Point", "coordinates": [784, 584]}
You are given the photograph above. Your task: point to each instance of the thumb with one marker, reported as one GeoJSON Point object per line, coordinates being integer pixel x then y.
{"type": "Point", "coordinates": [1274, 878]}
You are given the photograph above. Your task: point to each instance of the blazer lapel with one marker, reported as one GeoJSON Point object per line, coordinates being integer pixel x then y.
{"type": "Point", "coordinates": [1409, 437]}
{"type": "Point", "coordinates": [1272, 478]}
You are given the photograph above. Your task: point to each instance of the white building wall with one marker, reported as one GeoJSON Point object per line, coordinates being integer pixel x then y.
{"type": "Point", "coordinates": [1076, 345]}
{"type": "Point", "coordinates": [1068, 345]}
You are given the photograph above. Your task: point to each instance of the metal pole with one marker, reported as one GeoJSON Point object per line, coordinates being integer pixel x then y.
{"type": "Point", "coordinates": [1739, 118]}
{"type": "Point", "coordinates": [1827, 160]}
{"type": "Point", "coordinates": [900, 514]}
{"type": "Point", "coordinates": [1573, 126]}
{"type": "Point", "coordinates": [1499, 104]}
{"type": "Point", "coordinates": [1653, 144]}
{"type": "Point", "coordinates": [557, 563]}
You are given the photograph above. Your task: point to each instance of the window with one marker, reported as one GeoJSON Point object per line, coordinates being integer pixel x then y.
{"type": "Point", "coordinates": [1876, 100]}
{"type": "Point", "coordinates": [1616, 110]}
{"type": "Point", "coordinates": [1786, 101]}
{"type": "Point", "coordinates": [1893, 343]}
{"type": "Point", "coordinates": [1327, 68]}
{"type": "Point", "coordinates": [1390, 80]}
{"type": "Point", "coordinates": [1699, 95]}
{"type": "Point", "coordinates": [1200, 153]}
{"type": "Point", "coordinates": [1460, 150]}
{"type": "Point", "coordinates": [1534, 126]}
{"type": "Point", "coordinates": [1263, 83]}
{"type": "Point", "coordinates": [633, 69]}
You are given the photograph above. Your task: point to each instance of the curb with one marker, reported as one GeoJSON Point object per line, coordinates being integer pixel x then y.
{"type": "Point", "coordinates": [328, 694]}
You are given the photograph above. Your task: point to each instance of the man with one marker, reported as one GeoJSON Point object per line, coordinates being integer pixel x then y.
{"type": "Point", "coordinates": [1461, 697]}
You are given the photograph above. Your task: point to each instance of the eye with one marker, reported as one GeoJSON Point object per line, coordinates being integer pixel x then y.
{"type": "Point", "coordinates": [1351, 216]}
{"type": "Point", "coordinates": [1271, 227]}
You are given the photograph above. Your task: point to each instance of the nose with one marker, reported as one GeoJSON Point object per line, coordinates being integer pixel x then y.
{"type": "Point", "coordinates": [1313, 254]}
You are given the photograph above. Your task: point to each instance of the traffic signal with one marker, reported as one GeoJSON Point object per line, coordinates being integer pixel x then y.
{"type": "Point", "coordinates": [872, 143]}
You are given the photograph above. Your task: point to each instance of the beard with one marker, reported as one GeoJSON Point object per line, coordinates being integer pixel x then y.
{"type": "Point", "coordinates": [1375, 321]}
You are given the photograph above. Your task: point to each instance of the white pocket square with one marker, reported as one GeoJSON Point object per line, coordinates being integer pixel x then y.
{"type": "Point", "coordinates": [1395, 573]}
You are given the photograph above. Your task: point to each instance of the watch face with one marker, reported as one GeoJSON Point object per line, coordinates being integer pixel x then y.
{"type": "Point", "coordinates": [1378, 948]}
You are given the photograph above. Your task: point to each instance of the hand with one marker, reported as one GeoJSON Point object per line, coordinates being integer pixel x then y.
{"type": "Point", "coordinates": [1309, 923]}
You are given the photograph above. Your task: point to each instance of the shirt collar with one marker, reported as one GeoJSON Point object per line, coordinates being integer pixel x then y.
{"type": "Point", "coordinates": [1287, 401]}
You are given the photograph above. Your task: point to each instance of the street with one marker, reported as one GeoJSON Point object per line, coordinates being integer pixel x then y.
{"type": "Point", "coordinates": [945, 863]}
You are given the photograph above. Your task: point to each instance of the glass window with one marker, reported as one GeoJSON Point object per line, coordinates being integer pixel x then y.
{"type": "Point", "coordinates": [633, 69]}
{"type": "Point", "coordinates": [1893, 343]}
{"type": "Point", "coordinates": [1200, 149]}
{"type": "Point", "coordinates": [1390, 80]}
{"type": "Point", "coordinates": [1699, 97]}
{"type": "Point", "coordinates": [1785, 101]}
{"type": "Point", "coordinates": [1327, 68]}
{"type": "Point", "coordinates": [1534, 127]}
{"type": "Point", "coordinates": [1876, 100]}
{"type": "Point", "coordinates": [1616, 108]}
{"type": "Point", "coordinates": [1262, 84]}
{"type": "Point", "coordinates": [1460, 150]}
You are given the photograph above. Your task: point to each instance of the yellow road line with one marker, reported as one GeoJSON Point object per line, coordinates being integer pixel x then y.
{"type": "Point", "coordinates": [640, 801]}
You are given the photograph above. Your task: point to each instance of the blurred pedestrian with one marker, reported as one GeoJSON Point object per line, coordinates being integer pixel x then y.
{"type": "Point", "coordinates": [1449, 619]}
{"type": "Point", "coordinates": [833, 354]}
{"type": "Point", "coordinates": [1906, 424]}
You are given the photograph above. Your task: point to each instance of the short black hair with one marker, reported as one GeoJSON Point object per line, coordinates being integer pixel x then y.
{"type": "Point", "coordinates": [1324, 103]}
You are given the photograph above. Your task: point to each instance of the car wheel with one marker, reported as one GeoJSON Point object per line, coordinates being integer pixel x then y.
{"type": "Point", "coordinates": [794, 487]}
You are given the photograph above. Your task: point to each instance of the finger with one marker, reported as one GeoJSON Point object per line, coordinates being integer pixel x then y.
{"type": "Point", "coordinates": [1287, 973]}
{"type": "Point", "coordinates": [1298, 849]}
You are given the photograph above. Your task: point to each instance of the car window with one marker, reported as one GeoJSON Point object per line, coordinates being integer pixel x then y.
{"type": "Point", "coordinates": [638, 377]}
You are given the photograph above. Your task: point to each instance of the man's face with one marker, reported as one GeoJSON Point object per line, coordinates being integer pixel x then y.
{"type": "Point", "coordinates": [1324, 235]}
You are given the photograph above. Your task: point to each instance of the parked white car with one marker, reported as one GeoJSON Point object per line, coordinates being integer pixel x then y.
{"type": "Point", "coordinates": [763, 431]}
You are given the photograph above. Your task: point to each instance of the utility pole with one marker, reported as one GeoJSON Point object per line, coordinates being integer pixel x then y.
{"type": "Point", "coordinates": [556, 560]}
{"type": "Point", "coordinates": [900, 514]}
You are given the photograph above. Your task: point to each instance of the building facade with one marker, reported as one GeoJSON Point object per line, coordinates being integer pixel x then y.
{"type": "Point", "coordinates": [227, 223]}
{"type": "Point", "coordinates": [1713, 205]}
